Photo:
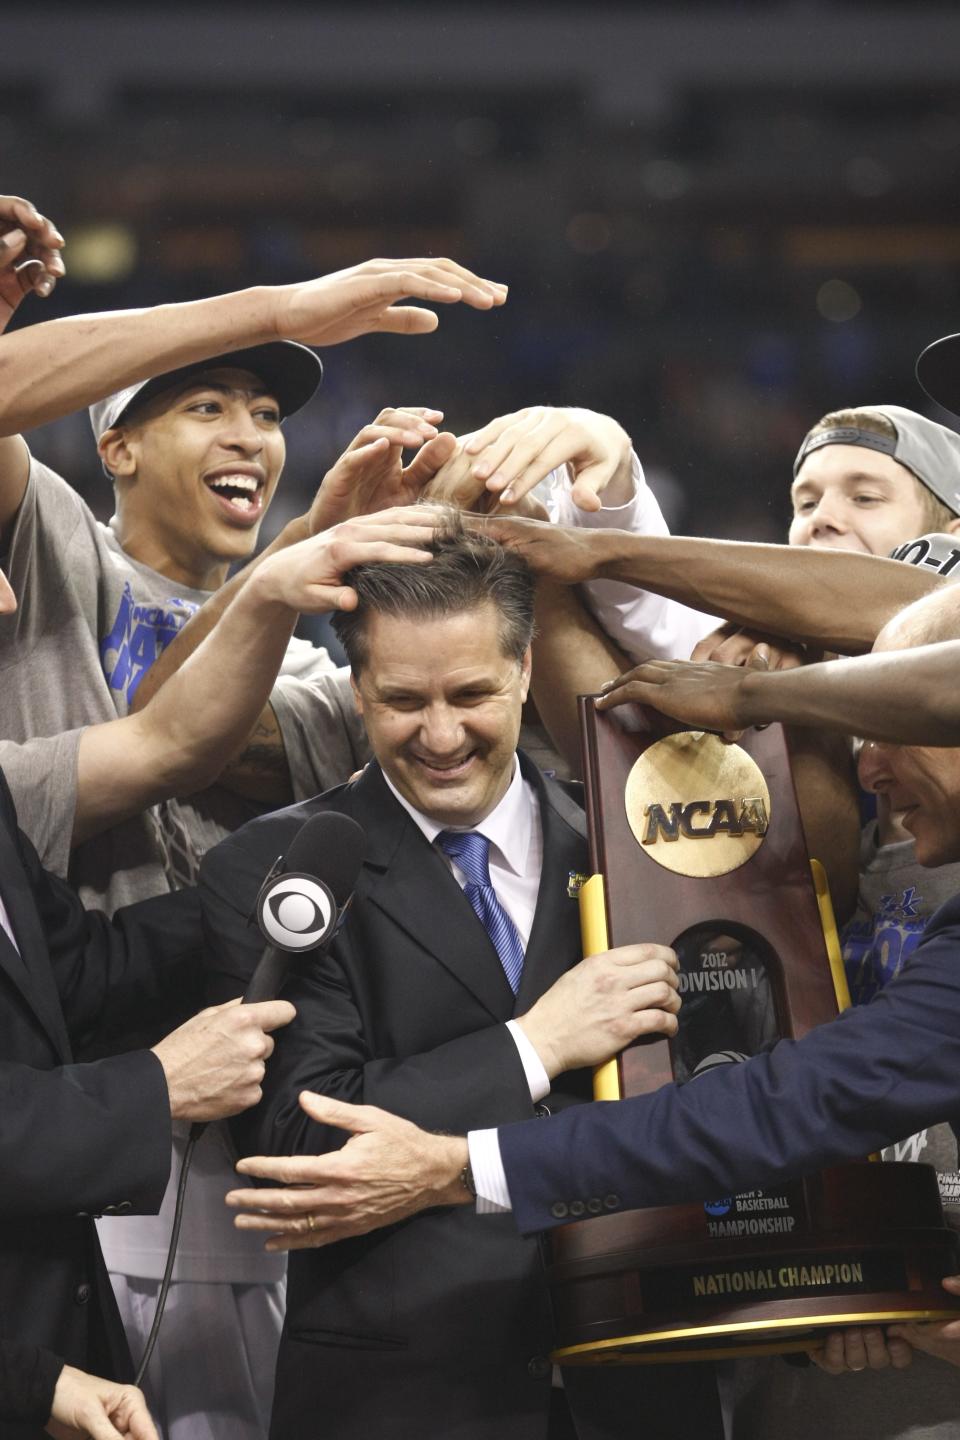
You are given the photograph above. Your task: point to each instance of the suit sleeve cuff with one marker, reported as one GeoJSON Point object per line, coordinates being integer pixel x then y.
{"type": "Point", "coordinates": [489, 1177]}
{"type": "Point", "coordinates": [538, 1081]}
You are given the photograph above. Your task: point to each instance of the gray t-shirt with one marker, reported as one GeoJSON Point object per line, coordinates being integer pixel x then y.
{"type": "Point", "coordinates": [90, 621]}
{"type": "Point", "coordinates": [765, 1398]}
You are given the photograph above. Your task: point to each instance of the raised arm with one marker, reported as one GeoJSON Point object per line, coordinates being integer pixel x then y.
{"type": "Point", "coordinates": [571, 656]}
{"type": "Point", "coordinates": [836, 600]}
{"type": "Point", "coordinates": [30, 264]}
{"type": "Point", "coordinates": [49, 370]}
{"type": "Point", "coordinates": [873, 696]}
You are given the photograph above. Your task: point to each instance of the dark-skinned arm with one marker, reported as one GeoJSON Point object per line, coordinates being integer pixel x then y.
{"type": "Point", "coordinates": [836, 600]}
{"type": "Point", "coordinates": [571, 656]}
{"type": "Point", "coordinates": [873, 696]}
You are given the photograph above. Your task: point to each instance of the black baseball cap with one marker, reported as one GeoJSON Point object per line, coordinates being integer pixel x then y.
{"type": "Point", "coordinates": [290, 371]}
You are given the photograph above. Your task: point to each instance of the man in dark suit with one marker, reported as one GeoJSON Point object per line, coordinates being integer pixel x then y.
{"type": "Point", "coordinates": [453, 995]}
{"type": "Point", "coordinates": [81, 1138]}
{"type": "Point", "coordinates": [875, 1074]}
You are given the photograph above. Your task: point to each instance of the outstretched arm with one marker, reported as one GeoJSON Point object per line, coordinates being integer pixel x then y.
{"type": "Point", "coordinates": [835, 600]}
{"type": "Point", "coordinates": [878, 1072]}
{"type": "Point", "coordinates": [873, 696]}
{"type": "Point", "coordinates": [49, 370]}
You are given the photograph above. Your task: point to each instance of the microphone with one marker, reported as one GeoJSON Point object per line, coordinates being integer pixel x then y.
{"type": "Point", "coordinates": [296, 911]}
{"type": "Point", "coordinates": [303, 901]}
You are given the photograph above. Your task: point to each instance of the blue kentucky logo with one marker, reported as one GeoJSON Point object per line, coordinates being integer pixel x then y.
{"type": "Point", "coordinates": [876, 947]}
{"type": "Point", "coordinates": [140, 633]}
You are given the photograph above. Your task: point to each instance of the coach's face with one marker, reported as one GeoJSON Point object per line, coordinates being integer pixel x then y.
{"type": "Point", "coordinates": [441, 703]}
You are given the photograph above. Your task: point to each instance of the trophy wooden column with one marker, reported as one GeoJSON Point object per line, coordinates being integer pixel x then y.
{"type": "Point", "coordinates": [698, 845]}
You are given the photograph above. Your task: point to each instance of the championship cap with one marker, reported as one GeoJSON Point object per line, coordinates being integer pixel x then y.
{"type": "Point", "coordinates": [290, 371]}
{"type": "Point", "coordinates": [929, 451]}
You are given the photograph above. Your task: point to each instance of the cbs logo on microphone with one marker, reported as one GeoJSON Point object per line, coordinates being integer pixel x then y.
{"type": "Point", "coordinates": [297, 912]}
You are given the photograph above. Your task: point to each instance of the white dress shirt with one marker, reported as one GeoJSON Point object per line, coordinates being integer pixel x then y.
{"type": "Point", "coordinates": [516, 858]}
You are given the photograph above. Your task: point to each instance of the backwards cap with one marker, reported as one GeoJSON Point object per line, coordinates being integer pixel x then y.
{"type": "Point", "coordinates": [929, 451]}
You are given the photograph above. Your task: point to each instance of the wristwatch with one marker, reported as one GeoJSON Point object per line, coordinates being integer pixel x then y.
{"type": "Point", "coordinates": [467, 1180]}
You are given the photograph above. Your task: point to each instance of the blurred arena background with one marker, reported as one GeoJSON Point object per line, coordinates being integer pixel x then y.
{"type": "Point", "coordinates": [717, 220]}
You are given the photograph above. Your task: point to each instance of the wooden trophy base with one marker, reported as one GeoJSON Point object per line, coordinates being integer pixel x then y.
{"type": "Point", "coordinates": [854, 1245]}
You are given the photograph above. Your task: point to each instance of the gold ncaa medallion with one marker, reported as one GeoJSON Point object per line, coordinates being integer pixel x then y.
{"type": "Point", "coordinates": [697, 806]}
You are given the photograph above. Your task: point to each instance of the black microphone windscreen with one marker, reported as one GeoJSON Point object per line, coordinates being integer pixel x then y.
{"type": "Point", "coordinates": [331, 847]}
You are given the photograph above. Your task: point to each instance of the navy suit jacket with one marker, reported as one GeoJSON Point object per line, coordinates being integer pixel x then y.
{"type": "Point", "coordinates": [871, 1077]}
{"type": "Point", "coordinates": [78, 1139]}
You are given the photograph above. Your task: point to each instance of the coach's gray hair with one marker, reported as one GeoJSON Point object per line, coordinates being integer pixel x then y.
{"type": "Point", "coordinates": [468, 570]}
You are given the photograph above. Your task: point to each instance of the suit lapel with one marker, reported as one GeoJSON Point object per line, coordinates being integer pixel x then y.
{"type": "Point", "coordinates": [29, 970]}
{"type": "Point", "coordinates": [408, 880]}
{"type": "Point", "coordinates": [555, 936]}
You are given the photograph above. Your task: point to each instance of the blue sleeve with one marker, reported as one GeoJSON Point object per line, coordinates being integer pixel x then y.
{"type": "Point", "coordinates": [865, 1080]}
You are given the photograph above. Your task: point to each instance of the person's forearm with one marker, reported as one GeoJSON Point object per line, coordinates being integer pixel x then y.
{"type": "Point", "coordinates": [873, 696]}
{"type": "Point", "coordinates": [836, 601]}
{"type": "Point", "coordinates": [204, 713]}
{"type": "Point", "coordinates": [183, 739]}
{"type": "Point", "coordinates": [53, 368]}
{"type": "Point", "coordinates": [200, 625]}
{"type": "Point", "coordinates": [571, 657]}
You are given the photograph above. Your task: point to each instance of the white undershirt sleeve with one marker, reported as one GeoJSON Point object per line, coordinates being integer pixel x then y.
{"type": "Point", "coordinates": [644, 625]}
{"type": "Point", "coordinates": [489, 1177]}
{"type": "Point", "coordinates": [538, 1081]}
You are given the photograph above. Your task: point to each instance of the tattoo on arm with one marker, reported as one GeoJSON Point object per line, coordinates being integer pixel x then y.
{"type": "Point", "coordinates": [261, 772]}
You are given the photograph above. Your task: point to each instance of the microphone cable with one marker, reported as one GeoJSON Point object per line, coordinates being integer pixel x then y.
{"type": "Point", "coordinates": [196, 1130]}
{"type": "Point", "coordinates": [319, 909]}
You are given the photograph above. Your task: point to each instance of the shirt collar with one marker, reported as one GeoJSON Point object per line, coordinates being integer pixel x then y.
{"type": "Point", "coordinates": [508, 826]}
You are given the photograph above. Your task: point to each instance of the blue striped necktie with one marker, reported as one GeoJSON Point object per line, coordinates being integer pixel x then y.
{"type": "Point", "coordinates": [471, 851]}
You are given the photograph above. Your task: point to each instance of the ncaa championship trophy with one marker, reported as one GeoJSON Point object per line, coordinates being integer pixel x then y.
{"type": "Point", "coordinates": [698, 845]}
